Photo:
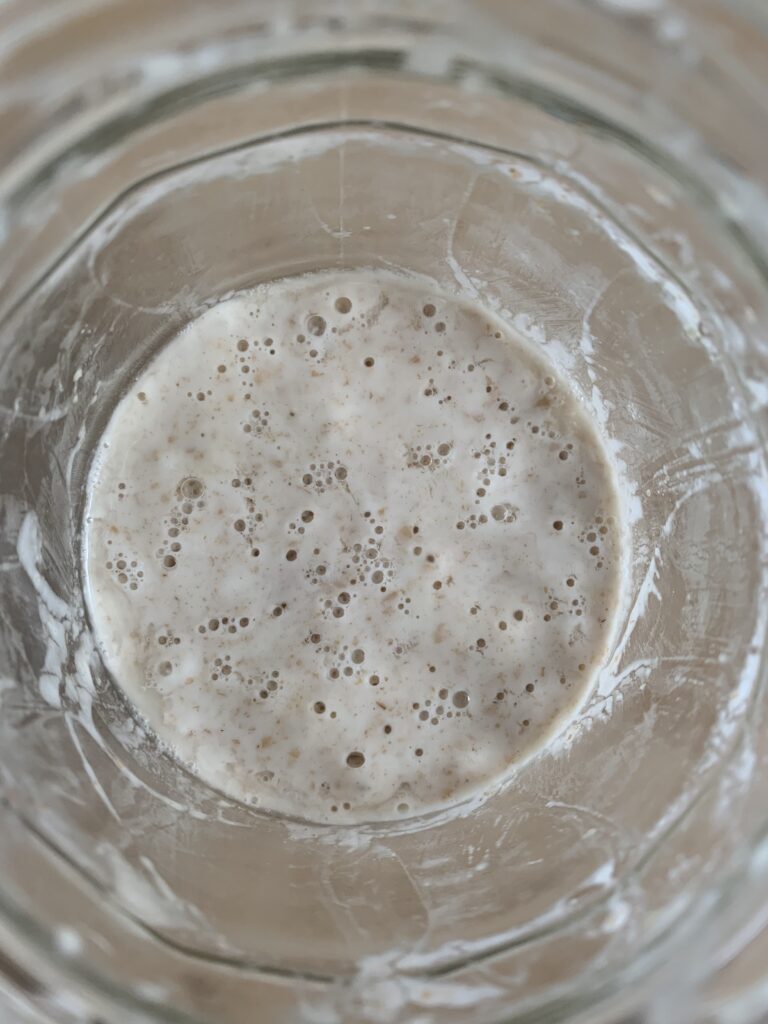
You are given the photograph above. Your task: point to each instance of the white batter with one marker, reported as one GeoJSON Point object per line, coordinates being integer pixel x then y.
{"type": "Point", "coordinates": [351, 547]}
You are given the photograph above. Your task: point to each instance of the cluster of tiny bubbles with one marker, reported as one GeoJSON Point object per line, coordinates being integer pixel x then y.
{"type": "Point", "coordinates": [552, 606]}
{"type": "Point", "coordinates": [248, 523]}
{"type": "Point", "coordinates": [230, 624]}
{"type": "Point", "coordinates": [189, 495]}
{"type": "Point", "coordinates": [261, 686]}
{"type": "Point", "coordinates": [256, 347]}
{"type": "Point", "coordinates": [316, 573]}
{"type": "Point", "coordinates": [336, 607]}
{"type": "Point", "coordinates": [313, 337]}
{"type": "Point", "coordinates": [301, 523]}
{"type": "Point", "coordinates": [595, 536]}
{"type": "Point", "coordinates": [199, 396]}
{"type": "Point", "coordinates": [428, 457]}
{"type": "Point", "coordinates": [126, 571]}
{"type": "Point", "coordinates": [221, 668]}
{"type": "Point", "coordinates": [245, 353]}
{"type": "Point", "coordinates": [167, 640]}
{"type": "Point", "coordinates": [265, 685]}
{"type": "Point", "coordinates": [345, 661]}
{"type": "Point", "coordinates": [323, 476]}
{"type": "Point", "coordinates": [431, 389]}
{"type": "Point", "coordinates": [257, 423]}
{"type": "Point", "coordinates": [367, 563]}
{"type": "Point", "coordinates": [442, 706]}
{"type": "Point", "coordinates": [492, 463]}
{"type": "Point", "coordinates": [472, 521]}
{"type": "Point", "coordinates": [504, 513]}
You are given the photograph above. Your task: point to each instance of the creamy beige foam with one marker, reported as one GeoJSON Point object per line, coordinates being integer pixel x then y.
{"type": "Point", "coordinates": [351, 547]}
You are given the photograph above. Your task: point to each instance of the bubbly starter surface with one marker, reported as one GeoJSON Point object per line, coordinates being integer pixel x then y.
{"type": "Point", "coordinates": [351, 548]}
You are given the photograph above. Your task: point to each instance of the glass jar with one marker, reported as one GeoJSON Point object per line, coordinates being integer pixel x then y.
{"type": "Point", "coordinates": [596, 173]}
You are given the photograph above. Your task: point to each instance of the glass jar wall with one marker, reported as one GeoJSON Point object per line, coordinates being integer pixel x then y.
{"type": "Point", "coordinates": [596, 174]}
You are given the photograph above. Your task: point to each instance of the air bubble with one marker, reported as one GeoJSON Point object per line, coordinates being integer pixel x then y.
{"type": "Point", "coordinates": [505, 513]}
{"type": "Point", "coordinates": [316, 325]}
{"type": "Point", "coordinates": [461, 699]}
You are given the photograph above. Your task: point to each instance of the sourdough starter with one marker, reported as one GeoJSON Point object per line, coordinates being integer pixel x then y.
{"type": "Point", "coordinates": [351, 547]}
